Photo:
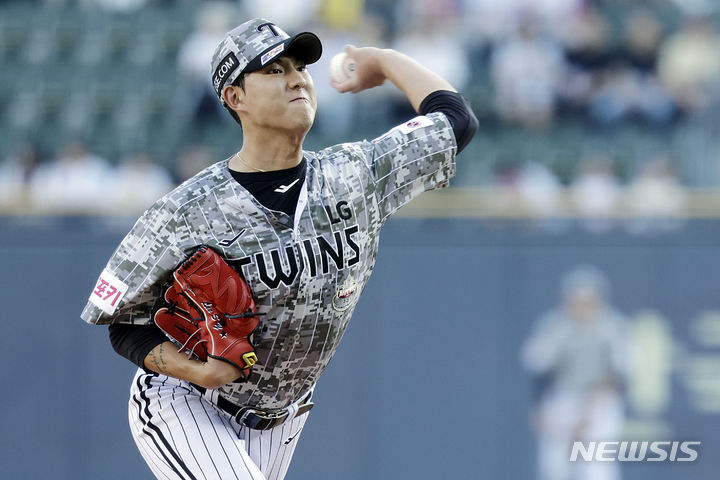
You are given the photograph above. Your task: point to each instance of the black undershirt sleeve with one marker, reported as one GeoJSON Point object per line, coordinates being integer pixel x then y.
{"type": "Point", "coordinates": [458, 111]}
{"type": "Point", "coordinates": [134, 342]}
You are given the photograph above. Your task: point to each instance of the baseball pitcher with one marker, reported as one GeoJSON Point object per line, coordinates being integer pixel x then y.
{"type": "Point", "coordinates": [232, 292]}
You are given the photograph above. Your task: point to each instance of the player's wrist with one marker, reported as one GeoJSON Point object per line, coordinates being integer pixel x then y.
{"type": "Point", "coordinates": [215, 373]}
{"type": "Point", "coordinates": [384, 59]}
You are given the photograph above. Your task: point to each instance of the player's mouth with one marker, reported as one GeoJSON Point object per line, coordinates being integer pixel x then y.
{"type": "Point", "coordinates": [299, 99]}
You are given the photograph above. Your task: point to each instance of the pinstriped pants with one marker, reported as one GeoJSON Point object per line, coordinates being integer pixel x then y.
{"type": "Point", "coordinates": [182, 435]}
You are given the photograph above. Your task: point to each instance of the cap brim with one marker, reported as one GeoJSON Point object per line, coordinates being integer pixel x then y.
{"type": "Point", "coordinates": [304, 46]}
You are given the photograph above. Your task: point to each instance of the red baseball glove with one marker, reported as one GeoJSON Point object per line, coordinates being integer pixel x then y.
{"type": "Point", "coordinates": [212, 311]}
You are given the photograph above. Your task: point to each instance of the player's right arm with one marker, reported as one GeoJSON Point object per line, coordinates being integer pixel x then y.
{"type": "Point", "coordinates": [427, 91]}
{"type": "Point", "coordinates": [147, 347]}
{"type": "Point", "coordinates": [418, 155]}
{"type": "Point", "coordinates": [214, 373]}
{"type": "Point", "coordinates": [375, 65]}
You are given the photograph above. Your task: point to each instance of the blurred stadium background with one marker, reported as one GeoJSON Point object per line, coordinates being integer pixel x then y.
{"type": "Point", "coordinates": [599, 144]}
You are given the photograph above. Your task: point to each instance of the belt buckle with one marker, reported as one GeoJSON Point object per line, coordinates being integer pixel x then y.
{"type": "Point", "coordinates": [259, 419]}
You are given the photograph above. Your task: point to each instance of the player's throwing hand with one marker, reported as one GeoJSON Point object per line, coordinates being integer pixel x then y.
{"type": "Point", "coordinates": [366, 73]}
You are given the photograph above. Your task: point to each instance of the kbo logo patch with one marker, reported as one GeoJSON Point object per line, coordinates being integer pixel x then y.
{"type": "Point", "coordinates": [414, 124]}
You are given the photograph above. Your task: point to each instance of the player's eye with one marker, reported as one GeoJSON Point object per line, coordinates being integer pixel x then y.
{"type": "Point", "coordinates": [301, 68]}
{"type": "Point", "coordinates": [274, 71]}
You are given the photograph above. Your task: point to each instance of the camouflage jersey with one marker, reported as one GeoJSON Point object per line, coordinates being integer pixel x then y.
{"type": "Point", "coordinates": [306, 271]}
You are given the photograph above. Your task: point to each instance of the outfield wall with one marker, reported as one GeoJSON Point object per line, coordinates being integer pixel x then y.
{"type": "Point", "coordinates": [427, 382]}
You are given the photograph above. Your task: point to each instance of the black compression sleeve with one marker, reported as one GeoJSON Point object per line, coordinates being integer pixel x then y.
{"type": "Point", "coordinates": [457, 110]}
{"type": "Point", "coordinates": [134, 342]}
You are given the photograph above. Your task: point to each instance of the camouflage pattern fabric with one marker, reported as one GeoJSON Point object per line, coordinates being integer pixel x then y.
{"type": "Point", "coordinates": [244, 42]}
{"type": "Point", "coordinates": [306, 272]}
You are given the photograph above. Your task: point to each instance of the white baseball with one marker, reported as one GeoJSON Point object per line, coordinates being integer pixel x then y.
{"type": "Point", "coordinates": [342, 67]}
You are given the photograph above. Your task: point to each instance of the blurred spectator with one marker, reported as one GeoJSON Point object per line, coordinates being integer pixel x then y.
{"type": "Point", "coordinates": [587, 42]}
{"type": "Point", "coordinates": [430, 14]}
{"type": "Point", "coordinates": [77, 182]}
{"type": "Point", "coordinates": [527, 71]}
{"type": "Point", "coordinates": [539, 189]}
{"type": "Point", "coordinates": [656, 198]}
{"type": "Point", "coordinates": [689, 64]}
{"type": "Point", "coordinates": [116, 5]}
{"type": "Point", "coordinates": [191, 160]}
{"type": "Point", "coordinates": [577, 356]}
{"type": "Point", "coordinates": [587, 39]}
{"type": "Point", "coordinates": [137, 184]}
{"type": "Point", "coordinates": [528, 188]}
{"type": "Point", "coordinates": [595, 192]}
{"type": "Point", "coordinates": [490, 20]}
{"type": "Point", "coordinates": [213, 21]}
{"type": "Point", "coordinates": [548, 65]}
{"type": "Point", "coordinates": [293, 15]}
{"type": "Point", "coordinates": [493, 20]}
{"type": "Point", "coordinates": [341, 15]}
{"type": "Point", "coordinates": [441, 51]}
{"type": "Point", "coordinates": [641, 38]}
{"type": "Point", "coordinates": [554, 14]}
{"type": "Point", "coordinates": [616, 83]}
{"type": "Point", "coordinates": [15, 173]}
{"type": "Point", "coordinates": [625, 94]}
{"type": "Point", "coordinates": [428, 34]}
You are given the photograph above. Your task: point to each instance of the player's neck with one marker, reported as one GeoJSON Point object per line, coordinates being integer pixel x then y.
{"type": "Point", "coordinates": [267, 155]}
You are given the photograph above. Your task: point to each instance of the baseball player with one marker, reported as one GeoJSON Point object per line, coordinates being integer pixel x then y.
{"type": "Point", "coordinates": [578, 355]}
{"type": "Point", "coordinates": [301, 228]}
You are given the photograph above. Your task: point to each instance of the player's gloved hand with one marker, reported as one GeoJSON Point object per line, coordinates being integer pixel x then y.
{"type": "Point", "coordinates": [181, 322]}
{"type": "Point", "coordinates": [225, 304]}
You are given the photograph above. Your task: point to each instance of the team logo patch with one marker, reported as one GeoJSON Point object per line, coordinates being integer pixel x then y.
{"type": "Point", "coordinates": [346, 295]}
{"type": "Point", "coordinates": [414, 124]}
{"type": "Point", "coordinates": [108, 292]}
{"type": "Point", "coordinates": [271, 54]}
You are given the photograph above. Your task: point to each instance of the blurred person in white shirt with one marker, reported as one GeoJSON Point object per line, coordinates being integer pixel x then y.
{"type": "Point", "coordinates": [78, 182]}
{"type": "Point", "coordinates": [595, 192]}
{"type": "Point", "coordinates": [138, 182]}
{"type": "Point", "coordinates": [689, 65]}
{"type": "Point", "coordinates": [527, 71]}
{"type": "Point", "coordinates": [656, 198]}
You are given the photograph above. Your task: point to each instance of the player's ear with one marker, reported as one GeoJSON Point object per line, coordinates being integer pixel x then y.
{"type": "Point", "coordinates": [234, 97]}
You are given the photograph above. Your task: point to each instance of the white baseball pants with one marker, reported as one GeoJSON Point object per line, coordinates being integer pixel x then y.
{"type": "Point", "coordinates": [182, 435]}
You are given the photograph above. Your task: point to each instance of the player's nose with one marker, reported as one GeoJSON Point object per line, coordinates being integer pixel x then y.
{"type": "Point", "coordinates": [296, 80]}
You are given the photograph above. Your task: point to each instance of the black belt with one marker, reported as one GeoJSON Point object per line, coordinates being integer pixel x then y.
{"type": "Point", "coordinates": [256, 418]}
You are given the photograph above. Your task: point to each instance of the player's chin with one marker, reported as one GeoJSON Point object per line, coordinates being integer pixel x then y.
{"type": "Point", "coordinates": [305, 119]}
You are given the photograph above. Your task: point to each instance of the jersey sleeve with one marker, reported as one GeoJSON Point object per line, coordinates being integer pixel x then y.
{"type": "Point", "coordinates": [132, 281]}
{"type": "Point", "coordinates": [414, 157]}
